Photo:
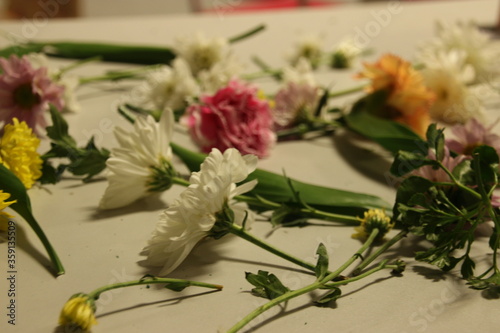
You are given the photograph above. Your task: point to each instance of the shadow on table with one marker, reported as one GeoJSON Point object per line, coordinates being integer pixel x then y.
{"type": "Point", "coordinates": [364, 156]}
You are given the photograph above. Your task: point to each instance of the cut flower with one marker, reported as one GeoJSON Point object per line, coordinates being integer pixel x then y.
{"type": "Point", "coordinates": [141, 165]}
{"type": "Point", "coordinates": [202, 209]}
{"type": "Point", "coordinates": [373, 219]}
{"type": "Point", "coordinates": [78, 313]}
{"type": "Point", "coordinates": [26, 92]}
{"type": "Point", "coordinates": [232, 118]}
{"type": "Point", "coordinates": [18, 152]}
{"type": "Point", "coordinates": [408, 99]}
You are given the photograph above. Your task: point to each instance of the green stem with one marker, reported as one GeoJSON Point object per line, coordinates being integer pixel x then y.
{"type": "Point", "coordinates": [402, 234]}
{"type": "Point", "coordinates": [247, 34]}
{"type": "Point", "coordinates": [118, 75]}
{"type": "Point", "coordinates": [240, 232]}
{"type": "Point", "coordinates": [77, 64]}
{"type": "Point", "coordinates": [347, 91]}
{"type": "Point", "coordinates": [180, 181]}
{"type": "Point", "coordinates": [309, 211]}
{"type": "Point", "coordinates": [316, 285]}
{"type": "Point", "coordinates": [456, 182]}
{"type": "Point", "coordinates": [152, 280]}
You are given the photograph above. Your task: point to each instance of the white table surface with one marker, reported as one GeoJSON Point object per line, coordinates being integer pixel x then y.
{"type": "Point", "coordinates": [98, 248]}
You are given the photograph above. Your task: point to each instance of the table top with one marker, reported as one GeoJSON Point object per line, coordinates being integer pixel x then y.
{"type": "Point", "coordinates": [102, 247]}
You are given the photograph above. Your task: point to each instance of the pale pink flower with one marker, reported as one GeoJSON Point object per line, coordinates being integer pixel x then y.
{"type": "Point", "coordinates": [438, 175]}
{"type": "Point", "coordinates": [25, 92]}
{"type": "Point", "coordinates": [234, 117]}
{"type": "Point", "coordinates": [295, 103]}
{"type": "Point", "coordinates": [472, 135]}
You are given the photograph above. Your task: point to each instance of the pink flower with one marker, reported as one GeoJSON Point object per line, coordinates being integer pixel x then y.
{"type": "Point", "coordinates": [25, 92]}
{"type": "Point", "coordinates": [232, 118]}
{"type": "Point", "coordinates": [295, 103]}
{"type": "Point", "coordinates": [472, 135]}
{"type": "Point", "coordinates": [438, 175]}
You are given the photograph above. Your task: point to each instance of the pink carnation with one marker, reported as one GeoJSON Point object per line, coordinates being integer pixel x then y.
{"type": "Point", "coordinates": [232, 118]}
{"type": "Point", "coordinates": [25, 92]}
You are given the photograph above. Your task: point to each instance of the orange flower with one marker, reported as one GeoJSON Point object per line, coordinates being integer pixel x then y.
{"type": "Point", "coordinates": [409, 99]}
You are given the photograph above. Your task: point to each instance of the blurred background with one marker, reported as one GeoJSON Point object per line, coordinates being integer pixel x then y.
{"type": "Point", "coordinates": [41, 9]}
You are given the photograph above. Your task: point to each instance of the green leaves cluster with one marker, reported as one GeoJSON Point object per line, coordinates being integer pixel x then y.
{"type": "Point", "coordinates": [87, 161]}
{"type": "Point", "coordinates": [447, 213]}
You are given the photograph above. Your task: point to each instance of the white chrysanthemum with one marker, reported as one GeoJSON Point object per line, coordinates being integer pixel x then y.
{"type": "Point", "coordinates": [140, 165]}
{"type": "Point", "coordinates": [167, 87]}
{"type": "Point", "coordinates": [219, 75]}
{"type": "Point", "coordinates": [193, 216]}
{"type": "Point", "coordinates": [447, 75]}
{"type": "Point", "coordinates": [301, 73]}
{"type": "Point", "coordinates": [69, 82]}
{"type": "Point", "coordinates": [200, 52]}
{"type": "Point", "coordinates": [482, 52]}
{"type": "Point", "coordinates": [309, 47]}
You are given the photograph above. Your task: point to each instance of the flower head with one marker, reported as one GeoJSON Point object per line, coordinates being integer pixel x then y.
{"type": "Point", "coordinates": [295, 103]}
{"type": "Point", "coordinates": [78, 313]}
{"type": "Point", "coordinates": [141, 164]}
{"type": "Point", "coordinates": [200, 52]}
{"type": "Point", "coordinates": [374, 219]}
{"type": "Point", "coordinates": [309, 47]}
{"type": "Point", "coordinates": [25, 92]}
{"type": "Point", "coordinates": [471, 135]}
{"type": "Point", "coordinates": [481, 51]}
{"type": "Point", "coordinates": [167, 87]}
{"type": "Point", "coordinates": [4, 204]}
{"type": "Point", "coordinates": [439, 175]}
{"type": "Point", "coordinates": [408, 98]}
{"type": "Point", "coordinates": [202, 210]}
{"type": "Point", "coordinates": [234, 117]}
{"type": "Point", "coordinates": [344, 54]}
{"type": "Point", "coordinates": [447, 76]}
{"type": "Point", "coordinates": [18, 153]}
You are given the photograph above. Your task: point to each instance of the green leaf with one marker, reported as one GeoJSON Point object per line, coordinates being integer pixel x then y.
{"type": "Point", "coordinates": [19, 50]}
{"type": "Point", "coordinates": [275, 187]}
{"type": "Point", "coordinates": [407, 189]}
{"type": "Point", "coordinates": [405, 162]}
{"type": "Point", "coordinates": [266, 285]}
{"type": "Point", "coordinates": [135, 54]}
{"type": "Point", "coordinates": [321, 268]}
{"type": "Point", "coordinates": [330, 296]}
{"type": "Point", "coordinates": [467, 268]}
{"type": "Point", "coordinates": [11, 184]}
{"type": "Point", "coordinates": [393, 136]}
{"type": "Point", "coordinates": [435, 139]}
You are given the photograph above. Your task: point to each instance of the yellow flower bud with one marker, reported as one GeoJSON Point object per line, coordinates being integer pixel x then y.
{"type": "Point", "coordinates": [78, 312]}
{"type": "Point", "coordinates": [373, 219]}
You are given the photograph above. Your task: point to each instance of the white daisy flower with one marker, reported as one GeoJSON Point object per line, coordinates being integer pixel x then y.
{"type": "Point", "coordinates": [482, 51]}
{"type": "Point", "coordinates": [167, 87]}
{"type": "Point", "coordinates": [447, 75]}
{"type": "Point", "coordinates": [202, 210]}
{"type": "Point", "coordinates": [200, 52]}
{"type": "Point", "coordinates": [141, 164]}
{"type": "Point", "coordinates": [309, 47]}
{"type": "Point", "coordinates": [219, 75]}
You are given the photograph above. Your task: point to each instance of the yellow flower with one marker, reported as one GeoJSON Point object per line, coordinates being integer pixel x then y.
{"type": "Point", "coordinates": [373, 219]}
{"type": "Point", "coordinates": [78, 312]}
{"type": "Point", "coordinates": [4, 217]}
{"type": "Point", "coordinates": [18, 153]}
{"type": "Point", "coordinates": [409, 99]}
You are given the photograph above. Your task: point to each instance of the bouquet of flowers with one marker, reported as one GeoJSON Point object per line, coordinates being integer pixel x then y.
{"type": "Point", "coordinates": [447, 187]}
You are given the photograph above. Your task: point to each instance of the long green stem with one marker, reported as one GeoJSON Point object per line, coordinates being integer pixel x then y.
{"type": "Point", "coordinates": [240, 232]}
{"type": "Point", "coordinates": [118, 75]}
{"type": "Point", "coordinates": [456, 182]}
{"type": "Point", "coordinates": [347, 91]}
{"type": "Point", "coordinates": [316, 285]}
{"type": "Point", "coordinates": [402, 234]}
{"type": "Point", "coordinates": [152, 280]}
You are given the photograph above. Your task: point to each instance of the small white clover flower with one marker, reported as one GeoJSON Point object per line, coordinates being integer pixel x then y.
{"type": "Point", "coordinates": [309, 47]}
{"type": "Point", "coordinates": [141, 164]}
{"type": "Point", "coordinates": [300, 73]}
{"type": "Point", "coordinates": [203, 209]}
{"type": "Point", "coordinates": [345, 54]}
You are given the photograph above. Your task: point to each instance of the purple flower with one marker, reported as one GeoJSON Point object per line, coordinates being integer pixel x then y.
{"type": "Point", "coordinates": [439, 175]}
{"type": "Point", "coordinates": [25, 92]}
{"type": "Point", "coordinates": [472, 135]}
{"type": "Point", "coordinates": [295, 103]}
{"type": "Point", "coordinates": [232, 118]}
